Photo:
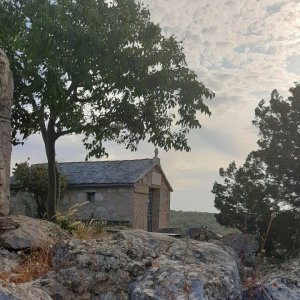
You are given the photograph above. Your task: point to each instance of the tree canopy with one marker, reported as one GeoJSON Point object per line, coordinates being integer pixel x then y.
{"type": "Point", "coordinates": [269, 180]}
{"type": "Point", "coordinates": [101, 69]}
{"type": "Point", "coordinates": [243, 197]}
{"type": "Point", "coordinates": [34, 179]}
{"type": "Point", "coordinates": [279, 143]}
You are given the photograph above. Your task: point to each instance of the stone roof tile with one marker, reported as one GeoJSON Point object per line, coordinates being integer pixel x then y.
{"type": "Point", "coordinates": [105, 172]}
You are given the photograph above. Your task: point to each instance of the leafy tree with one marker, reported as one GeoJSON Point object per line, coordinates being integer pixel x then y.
{"type": "Point", "coordinates": [34, 179]}
{"type": "Point", "coordinates": [244, 197]}
{"type": "Point", "coordinates": [101, 69]}
{"type": "Point", "coordinates": [269, 180]}
{"type": "Point", "coordinates": [279, 132]}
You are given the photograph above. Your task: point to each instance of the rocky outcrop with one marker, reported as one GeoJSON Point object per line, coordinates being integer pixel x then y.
{"type": "Point", "coordinates": [141, 265]}
{"type": "Point", "coordinates": [23, 291]}
{"type": "Point", "coordinates": [201, 233]}
{"type": "Point", "coordinates": [279, 284]}
{"type": "Point", "coordinates": [6, 94]}
{"type": "Point", "coordinates": [131, 264]}
{"type": "Point", "coordinates": [8, 260]}
{"type": "Point", "coordinates": [244, 245]}
{"type": "Point", "coordinates": [22, 232]}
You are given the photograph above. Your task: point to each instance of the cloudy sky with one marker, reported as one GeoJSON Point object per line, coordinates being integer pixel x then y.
{"type": "Point", "coordinates": [241, 50]}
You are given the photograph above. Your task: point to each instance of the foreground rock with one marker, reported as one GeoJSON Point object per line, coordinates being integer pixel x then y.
{"type": "Point", "coordinates": [188, 269]}
{"type": "Point", "coordinates": [132, 264]}
{"type": "Point", "coordinates": [201, 233]}
{"type": "Point", "coordinates": [244, 245]}
{"type": "Point", "coordinates": [22, 232]}
{"type": "Point", "coordinates": [8, 260]}
{"type": "Point", "coordinates": [141, 265]}
{"type": "Point", "coordinates": [6, 94]}
{"type": "Point", "coordinates": [23, 291]}
{"type": "Point", "coordinates": [280, 284]}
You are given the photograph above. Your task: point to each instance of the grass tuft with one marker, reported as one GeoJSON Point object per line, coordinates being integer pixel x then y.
{"type": "Point", "coordinates": [34, 264]}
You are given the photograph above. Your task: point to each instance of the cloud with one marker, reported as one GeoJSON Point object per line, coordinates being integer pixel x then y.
{"type": "Point", "coordinates": [242, 50]}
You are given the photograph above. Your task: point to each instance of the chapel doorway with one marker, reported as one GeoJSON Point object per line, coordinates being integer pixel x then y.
{"type": "Point", "coordinates": [150, 211]}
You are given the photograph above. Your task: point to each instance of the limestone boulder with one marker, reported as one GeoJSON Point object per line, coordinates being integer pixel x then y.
{"type": "Point", "coordinates": [140, 265]}
{"type": "Point", "coordinates": [189, 269]}
{"type": "Point", "coordinates": [281, 283]}
{"type": "Point", "coordinates": [244, 245]}
{"type": "Point", "coordinates": [22, 232]}
{"type": "Point", "coordinates": [25, 291]}
{"type": "Point", "coordinates": [8, 260]}
{"type": "Point", "coordinates": [137, 265]}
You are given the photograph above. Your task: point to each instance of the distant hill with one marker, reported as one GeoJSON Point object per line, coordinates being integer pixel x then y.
{"type": "Point", "coordinates": [185, 219]}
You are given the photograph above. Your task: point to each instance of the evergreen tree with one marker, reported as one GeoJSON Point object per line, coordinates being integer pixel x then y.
{"type": "Point", "coordinates": [269, 180]}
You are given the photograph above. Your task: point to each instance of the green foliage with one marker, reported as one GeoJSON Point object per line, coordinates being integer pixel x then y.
{"type": "Point", "coordinates": [269, 180]}
{"type": "Point", "coordinates": [68, 221]}
{"type": "Point", "coordinates": [186, 219]}
{"type": "Point", "coordinates": [34, 179]}
{"type": "Point", "coordinates": [279, 132]}
{"type": "Point", "coordinates": [243, 197]}
{"type": "Point", "coordinates": [79, 229]}
{"type": "Point", "coordinates": [103, 71]}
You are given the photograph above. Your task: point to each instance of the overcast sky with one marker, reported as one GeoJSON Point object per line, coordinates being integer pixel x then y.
{"type": "Point", "coordinates": [241, 50]}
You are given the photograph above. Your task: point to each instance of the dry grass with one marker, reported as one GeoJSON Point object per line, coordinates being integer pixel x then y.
{"type": "Point", "coordinates": [80, 229]}
{"type": "Point", "coordinates": [34, 264]}
{"type": "Point", "coordinates": [88, 231]}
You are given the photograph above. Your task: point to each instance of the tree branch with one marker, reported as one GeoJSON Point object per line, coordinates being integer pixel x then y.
{"type": "Point", "coordinates": [41, 123]}
{"type": "Point", "coordinates": [63, 132]}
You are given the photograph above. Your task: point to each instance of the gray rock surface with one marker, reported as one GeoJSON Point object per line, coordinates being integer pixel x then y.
{"type": "Point", "coordinates": [25, 291]}
{"type": "Point", "coordinates": [245, 246]}
{"type": "Point", "coordinates": [22, 232]}
{"type": "Point", "coordinates": [282, 284]}
{"type": "Point", "coordinates": [8, 260]}
{"type": "Point", "coordinates": [201, 233]}
{"type": "Point", "coordinates": [138, 265]}
{"type": "Point", "coordinates": [141, 265]}
{"type": "Point", "coordinates": [6, 94]}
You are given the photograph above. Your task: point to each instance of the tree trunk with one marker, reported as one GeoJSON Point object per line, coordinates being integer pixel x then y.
{"type": "Point", "coordinates": [57, 180]}
{"type": "Point", "coordinates": [6, 95]}
{"type": "Point", "coordinates": [52, 194]}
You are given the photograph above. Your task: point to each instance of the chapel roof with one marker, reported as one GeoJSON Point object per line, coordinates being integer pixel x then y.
{"type": "Point", "coordinates": [105, 172]}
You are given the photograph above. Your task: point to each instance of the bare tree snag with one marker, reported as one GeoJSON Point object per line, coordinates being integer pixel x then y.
{"type": "Point", "coordinates": [6, 94]}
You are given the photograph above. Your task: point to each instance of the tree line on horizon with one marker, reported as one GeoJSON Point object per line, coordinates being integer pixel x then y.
{"type": "Point", "coordinates": [186, 219]}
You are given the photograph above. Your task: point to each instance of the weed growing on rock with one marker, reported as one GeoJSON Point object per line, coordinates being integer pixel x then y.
{"type": "Point", "coordinates": [251, 282]}
{"type": "Point", "coordinates": [90, 230]}
{"type": "Point", "coordinates": [80, 229]}
{"type": "Point", "coordinates": [186, 287]}
{"type": "Point", "coordinates": [67, 221]}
